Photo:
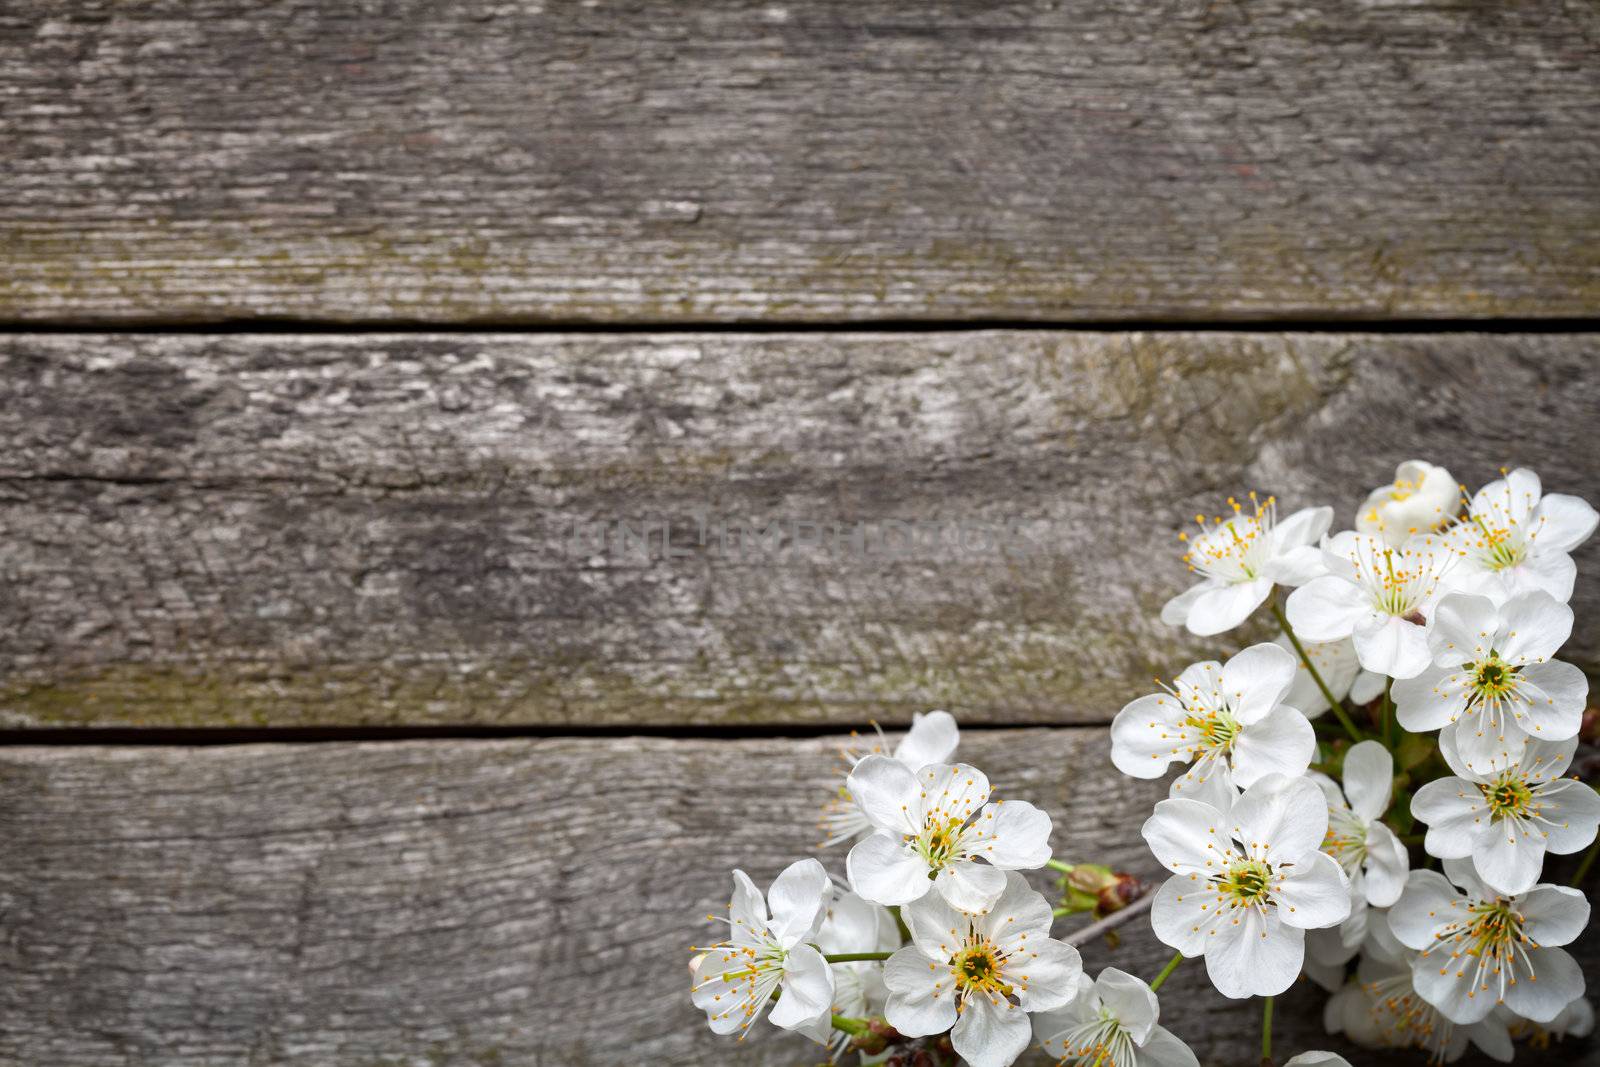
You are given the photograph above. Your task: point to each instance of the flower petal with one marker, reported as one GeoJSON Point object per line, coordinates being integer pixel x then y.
{"type": "Point", "coordinates": [1386, 867]}
{"type": "Point", "coordinates": [1256, 680]}
{"type": "Point", "coordinates": [1429, 902]}
{"type": "Point", "coordinates": [1454, 810]}
{"type": "Point", "coordinates": [1130, 1000]}
{"type": "Point", "coordinates": [1557, 694]}
{"type": "Point", "coordinates": [1220, 608]}
{"type": "Point", "coordinates": [970, 886]}
{"type": "Point", "coordinates": [799, 901]}
{"type": "Point", "coordinates": [990, 1033]}
{"type": "Point", "coordinates": [1572, 813]}
{"type": "Point", "coordinates": [1432, 700]}
{"type": "Point", "coordinates": [1147, 735]}
{"type": "Point", "coordinates": [1286, 816]}
{"type": "Point", "coordinates": [1464, 629]}
{"type": "Point", "coordinates": [1281, 743]}
{"type": "Point", "coordinates": [1533, 627]}
{"type": "Point", "coordinates": [1326, 609]}
{"type": "Point", "coordinates": [1316, 895]}
{"type": "Point", "coordinates": [921, 1000]}
{"type": "Point", "coordinates": [1012, 835]}
{"type": "Point", "coordinates": [1560, 982]}
{"type": "Point", "coordinates": [932, 739]}
{"type": "Point", "coordinates": [1254, 955]}
{"type": "Point", "coordinates": [1553, 914]}
{"type": "Point", "coordinates": [807, 989]}
{"type": "Point", "coordinates": [888, 793]}
{"type": "Point", "coordinates": [1564, 522]}
{"type": "Point", "coordinates": [1047, 975]}
{"type": "Point", "coordinates": [1183, 915]}
{"type": "Point", "coordinates": [1175, 612]}
{"type": "Point", "coordinates": [1187, 837]}
{"type": "Point", "coordinates": [1163, 1049]}
{"type": "Point", "coordinates": [1391, 645]}
{"type": "Point", "coordinates": [1368, 779]}
{"type": "Point", "coordinates": [881, 869]}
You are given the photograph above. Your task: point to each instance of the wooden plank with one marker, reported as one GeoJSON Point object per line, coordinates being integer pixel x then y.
{"type": "Point", "coordinates": [330, 530]}
{"type": "Point", "coordinates": [486, 161]}
{"type": "Point", "coordinates": [457, 903]}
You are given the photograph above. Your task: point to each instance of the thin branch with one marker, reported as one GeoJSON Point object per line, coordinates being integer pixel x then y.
{"type": "Point", "coordinates": [1125, 914]}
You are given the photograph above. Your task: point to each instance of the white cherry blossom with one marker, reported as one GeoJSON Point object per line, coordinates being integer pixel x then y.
{"type": "Point", "coordinates": [1247, 885]}
{"type": "Point", "coordinates": [1376, 594]}
{"type": "Point", "coordinates": [1371, 856]}
{"type": "Point", "coordinates": [1515, 538]}
{"type": "Point", "coordinates": [1341, 672]}
{"type": "Point", "coordinates": [980, 974]}
{"type": "Point", "coordinates": [1111, 1022]}
{"type": "Point", "coordinates": [1240, 558]}
{"type": "Point", "coordinates": [1421, 499]}
{"type": "Point", "coordinates": [1478, 948]}
{"type": "Point", "coordinates": [931, 829]}
{"type": "Point", "coordinates": [932, 739]}
{"type": "Point", "coordinates": [766, 953]}
{"type": "Point", "coordinates": [1506, 814]}
{"type": "Point", "coordinates": [1227, 720]}
{"type": "Point", "coordinates": [1382, 1008]}
{"type": "Point", "coordinates": [1492, 677]}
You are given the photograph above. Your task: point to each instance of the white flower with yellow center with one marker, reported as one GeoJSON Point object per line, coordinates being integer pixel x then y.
{"type": "Point", "coordinates": [934, 829]}
{"type": "Point", "coordinates": [1507, 813]}
{"type": "Point", "coordinates": [932, 739]}
{"type": "Point", "coordinates": [1421, 499]}
{"type": "Point", "coordinates": [1111, 1022]}
{"type": "Point", "coordinates": [1371, 856]}
{"type": "Point", "coordinates": [1227, 720]}
{"type": "Point", "coordinates": [1478, 948]}
{"type": "Point", "coordinates": [1341, 672]}
{"type": "Point", "coordinates": [1240, 557]}
{"type": "Point", "coordinates": [1382, 1008]}
{"type": "Point", "coordinates": [767, 954]}
{"type": "Point", "coordinates": [1377, 595]}
{"type": "Point", "coordinates": [1247, 885]}
{"type": "Point", "coordinates": [1514, 538]}
{"type": "Point", "coordinates": [1492, 678]}
{"type": "Point", "coordinates": [980, 974]}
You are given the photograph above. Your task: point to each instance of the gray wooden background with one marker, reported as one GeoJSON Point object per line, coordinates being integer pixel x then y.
{"type": "Point", "coordinates": [329, 329]}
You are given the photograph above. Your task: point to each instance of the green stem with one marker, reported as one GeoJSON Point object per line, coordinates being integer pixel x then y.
{"type": "Point", "coordinates": [1061, 911]}
{"type": "Point", "coordinates": [1057, 865]}
{"type": "Point", "coordinates": [856, 957]}
{"type": "Point", "coordinates": [1586, 863]}
{"type": "Point", "coordinates": [1386, 714]}
{"type": "Point", "coordinates": [853, 1027]}
{"type": "Point", "coordinates": [1336, 706]}
{"type": "Point", "coordinates": [1166, 972]}
{"type": "Point", "coordinates": [1266, 1029]}
{"type": "Point", "coordinates": [899, 921]}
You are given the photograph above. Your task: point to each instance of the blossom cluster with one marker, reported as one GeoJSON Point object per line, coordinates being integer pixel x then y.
{"type": "Point", "coordinates": [1411, 697]}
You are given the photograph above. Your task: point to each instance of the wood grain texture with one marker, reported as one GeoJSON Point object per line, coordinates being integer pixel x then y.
{"type": "Point", "coordinates": [460, 904]}
{"type": "Point", "coordinates": [496, 161]}
{"type": "Point", "coordinates": [298, 530]}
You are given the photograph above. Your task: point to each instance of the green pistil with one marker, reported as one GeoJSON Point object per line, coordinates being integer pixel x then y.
{"type": "Point", "coordinates": [1494, 677]}
{"type": "Point", "coordinates": [1248, 883]}
{"type": "Point", "coordinates": [1507, 797]}
{"type": "Point", "coordinates": [939, 843]}
{"type": "Point", "coordinates": [1217, 730]}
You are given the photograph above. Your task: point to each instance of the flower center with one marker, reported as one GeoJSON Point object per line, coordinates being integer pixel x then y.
{"type": "Point", "coordinates": [940, 842]}
{"type": "Point", "coordinates": [1100, 1042]}
{"type": "Point", "coordinates": [1346, 840]}
{"type": "Point", "coordinates": [1217, 729]}
{"type": "Point", "coordinates": [1231, 549]}
{"type": "Point", "coordinates": [1399, 580]}
{"type": "Point", "coordinates": [1508, 797]}
{"type": "Point", "coordinates": [980, 967]}
{"type": "Point", "coordinates": [1494, 678]}
{"type": "Point", "coordinates": [1493, 929]}
{"type": "Point", "coordinates": [1247, 884]}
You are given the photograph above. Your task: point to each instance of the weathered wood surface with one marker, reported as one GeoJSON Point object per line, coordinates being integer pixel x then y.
{"type": "Point", "coordinates": [445, 904]}
{"type": "Point", "coordinates": [490, 161]}
{"type": "Point", "coordinates": [297, 530]}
